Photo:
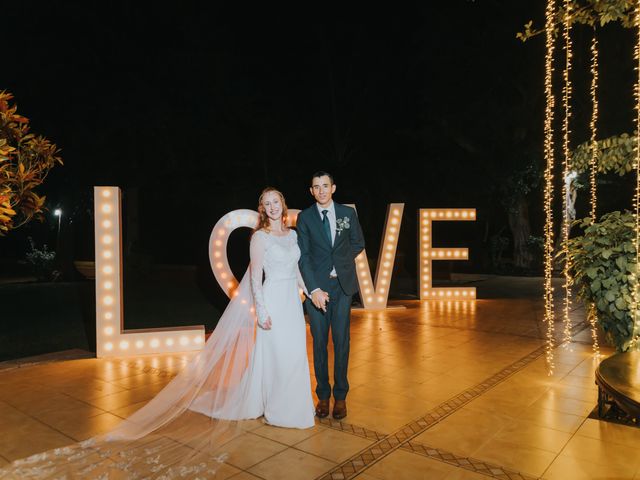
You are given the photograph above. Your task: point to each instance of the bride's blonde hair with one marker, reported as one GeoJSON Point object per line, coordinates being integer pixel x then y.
{"type": "Point", "coordinates": [263, 218]}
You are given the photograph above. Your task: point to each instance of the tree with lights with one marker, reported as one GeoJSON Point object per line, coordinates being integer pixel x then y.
{"type": "Point", "coordinates": [602, 261]}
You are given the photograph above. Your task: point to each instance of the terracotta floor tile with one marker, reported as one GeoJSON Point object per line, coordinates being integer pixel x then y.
{"type": "Point", "coordinates": [565, 467]}
{"type": "Point", "coordinates": [125, 397]}
{"type": "Point", "coordinates": [86, 390]}
{"type": "Point", "coordinates": [243, 476]}
{"type": "Point", "coordinates": [521, 458]}
{"type": "Point", "coordinates": [603, 453]}
{"type": "Point", "coordinates": [385, 400]}
{"type": "Point", "coordinates": [333, 445]}
{"type": "Point", "coordinates": [82, 429]}
{"type": "Point", "coordinates": [564, 422]}
{"type": "Point", "coordinates": [31, 437]}
{"type": "Point", "coordinates": [140, 380]}
{"type": "Point", "coordinates": [250, 425]}
{"type": "Point", "coordinates": [462, 474]}
{"type": "Point", "coordinates": [551, 401]}
{"type": "Point", "coordinates": [288, 436]}
{"type": "Point", "coordinates": [575, 392]}
{"type": "Point", "coordinates": [404, 363]}
{"type": "Point", "coordinates": [610, 432]}
{"type": "Point", "coordinates": [532, 435]}
{"type": "Point", "coordinates": [365, 476]}
{"type": "Point", "coordinates": [291, 464]}
{"type": "Point", "coordinates": [11, 417]}
{"type": "Point", "coordinates": [250, 449]}
{"type": "Point", "coordinates": [69, 414]}
{"type": "Point", "coordinates": [583, 382]}
{"type": "Point", "coordinates": [127, 411]}
{"type": "Point", "coordinates": [401, 465]}
{"type": "Point", "coordinates": [463, 431]}
{"type": "Point", "coordinates": [375, 419]}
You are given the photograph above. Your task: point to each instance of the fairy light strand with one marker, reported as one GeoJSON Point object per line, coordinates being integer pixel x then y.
{"type": "Point", "coordinates": [593, 164]}
{"type": "Point", "coordinates": [549, 157]}
{"type": "Point", "coordinates": [566, 190]}
{"type": "Point", "coordinates": [636, 199]}
{"type": "Point", "coordinates": [593, 168]}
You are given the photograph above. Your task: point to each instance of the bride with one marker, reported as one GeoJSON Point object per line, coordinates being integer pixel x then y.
{"type": "Point", "coordinates": [243, 372]}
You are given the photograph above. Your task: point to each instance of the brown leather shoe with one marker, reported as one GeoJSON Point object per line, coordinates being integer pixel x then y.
{"type": "Point", "coordinates": [339, 409]}
{"type": "Point", "coordinates": [322, 408]}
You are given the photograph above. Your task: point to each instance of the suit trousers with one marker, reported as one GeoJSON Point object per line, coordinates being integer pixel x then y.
{"type": "Point", "coordinates": [338, 318]}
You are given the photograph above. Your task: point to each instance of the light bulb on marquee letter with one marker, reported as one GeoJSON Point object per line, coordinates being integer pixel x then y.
{"type": "Point", "coordinates": [220, 236]}
{"type": "Point", "coordinates": [111, 337]}
{"type": "Point", "coordinates": [377, 299]}
{"type": "Point", "coordinates": [426, 217]}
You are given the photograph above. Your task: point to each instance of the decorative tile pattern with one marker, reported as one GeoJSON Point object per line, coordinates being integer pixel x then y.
{"type": "Point", "coordinates": [352, 429]}
{"type": "Point", "coordinates": [403, 436]}
{"type": "Point", "coordinates": [472, 464]}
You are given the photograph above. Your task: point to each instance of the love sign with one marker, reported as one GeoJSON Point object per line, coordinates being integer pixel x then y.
{"type": "Point", "coordinates": [113, 340]}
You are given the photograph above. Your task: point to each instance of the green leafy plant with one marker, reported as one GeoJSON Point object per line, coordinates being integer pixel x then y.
{"type": "Point", "coordinates": [25, 161]}
{"type": "Point", "coordinates": [603, 262]}
{"type": "Point", "coordinates": [587, 12]}
{"type": "Point", "coordinates": [613, 154]}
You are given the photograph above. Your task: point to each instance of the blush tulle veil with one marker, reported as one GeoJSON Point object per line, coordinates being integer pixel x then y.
{"type": "Point", "coordinates": [185, 431]}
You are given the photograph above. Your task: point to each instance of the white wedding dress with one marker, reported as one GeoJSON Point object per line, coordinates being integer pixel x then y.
{"type": "Point", "coordinates": [243, 372]}
{"type": "Point", "coordinates": [277, 383]}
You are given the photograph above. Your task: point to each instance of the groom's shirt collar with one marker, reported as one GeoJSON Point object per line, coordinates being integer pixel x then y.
{"type": "Point", "coordinates": [331, 208]}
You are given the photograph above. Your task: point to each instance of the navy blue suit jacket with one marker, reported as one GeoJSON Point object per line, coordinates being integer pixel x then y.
{"type": "Point", "coordinates": [318, 256]}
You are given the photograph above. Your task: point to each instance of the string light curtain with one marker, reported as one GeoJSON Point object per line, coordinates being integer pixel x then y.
{"type": "Point", "coordinates": [566, 190]}
{"type": "Point", "coordinates": [636, 199]}
{"type": "Point", "coordinates": [593, 168]}
{"type": "Point", "coordinates": [549, 157]}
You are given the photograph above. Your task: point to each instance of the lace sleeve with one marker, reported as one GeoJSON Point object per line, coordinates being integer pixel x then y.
{"type": "Point", "coordinates": [257, 250]}
{"type": "Point", "coordinates": [301, 284]}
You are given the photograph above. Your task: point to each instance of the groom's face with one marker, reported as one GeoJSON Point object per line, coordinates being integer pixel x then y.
{"type": "Point", "coordinates": [322, 189]}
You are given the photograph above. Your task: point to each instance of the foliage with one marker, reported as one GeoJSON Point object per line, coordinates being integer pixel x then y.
{"type": "Point", "coordinates": [42, 262]}
{"type": "Point", "coordinates": [25, 161]}
{"type": "Point", "coordinates": [536, 244]}
{"type": "Point", "coordinates": [614, 154]}
{"type": "Point", "coordinates": [603, 261]}
{"type": "Point", "coordinates": [519, 184]}
{"type": "Point", "coordinates": [588, 12]}
{"type": "Point", "coordinates": [497, 245]}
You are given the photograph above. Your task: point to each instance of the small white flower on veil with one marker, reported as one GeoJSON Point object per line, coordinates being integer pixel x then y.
{"type": "Point", "coordinates": [342, 224]}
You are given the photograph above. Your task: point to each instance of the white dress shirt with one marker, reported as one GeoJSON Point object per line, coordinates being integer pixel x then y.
{"type": "Point", "coordinates": [331, 215]}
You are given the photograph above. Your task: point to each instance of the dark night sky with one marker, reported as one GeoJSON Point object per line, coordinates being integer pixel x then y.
{"type": "Point", "coordinates": [199, 106]}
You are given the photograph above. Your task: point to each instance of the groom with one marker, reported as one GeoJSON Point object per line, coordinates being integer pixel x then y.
{"type": "Point", "coordinates": [330, 238]}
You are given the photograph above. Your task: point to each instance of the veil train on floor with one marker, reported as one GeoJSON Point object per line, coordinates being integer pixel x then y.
{"type": "Point", "coordinates": [185, 430]}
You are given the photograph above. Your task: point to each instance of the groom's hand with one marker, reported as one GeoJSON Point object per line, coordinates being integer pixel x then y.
{"type": "Point", "coordinates": [320, 299]}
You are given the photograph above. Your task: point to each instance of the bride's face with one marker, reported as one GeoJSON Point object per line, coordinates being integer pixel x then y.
{"type": "Point", "coordinates": [272, 204]}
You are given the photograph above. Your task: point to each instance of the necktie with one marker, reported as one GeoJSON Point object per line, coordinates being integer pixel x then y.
{"type": "Point", "coordinates": [325, 224]}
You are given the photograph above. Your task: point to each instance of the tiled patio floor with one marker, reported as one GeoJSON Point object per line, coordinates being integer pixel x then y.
{"type": "Point", "coordinates": [438, 391]}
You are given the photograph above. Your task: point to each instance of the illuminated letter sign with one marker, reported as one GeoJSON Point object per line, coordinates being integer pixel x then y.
{"type": "Point", "coordinates": [426, 217]}
{"type": "Point", "coordinates": [375, 296]}
{"type": "Point", "coordinates": [220, 236]}
{"type": "Point", "coordinates": [113, 340]}
{"type": "Point", "coordinates": [111, 337]}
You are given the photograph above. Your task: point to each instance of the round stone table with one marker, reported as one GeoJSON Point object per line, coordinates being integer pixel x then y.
{"type": "Point", "coordinates": [618, 380]}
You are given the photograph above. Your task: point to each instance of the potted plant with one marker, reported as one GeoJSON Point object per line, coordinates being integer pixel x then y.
{"type": "Point", "coordinates": [603, 262]}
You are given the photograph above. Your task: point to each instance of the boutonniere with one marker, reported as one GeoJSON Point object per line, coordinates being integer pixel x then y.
{"type": "Point", "coordinates": [342, 224]}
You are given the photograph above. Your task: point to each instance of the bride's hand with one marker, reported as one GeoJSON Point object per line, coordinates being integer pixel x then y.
{"type": "Point", "coordinates": [267, 324]}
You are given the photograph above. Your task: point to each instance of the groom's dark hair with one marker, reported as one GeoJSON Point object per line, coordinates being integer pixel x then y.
{"type": "Point", "coordinates": [322, 173]}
